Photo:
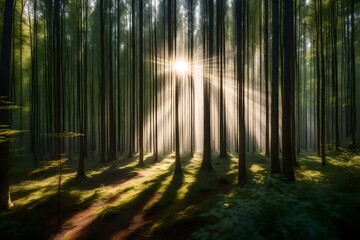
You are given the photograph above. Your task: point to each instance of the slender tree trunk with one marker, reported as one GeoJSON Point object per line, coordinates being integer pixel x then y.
{"type": "Point", "coordinates": [294, 93]}
{"type": "Point", "coordinates": [288, 43]}
{"type": "Point", "coordinates": [58, 78]}
{"type": "Point", "coordinates": [335, 72]}
{"type": "Point", "coordinates": [206, 161]}
{"type": "Point", "coordinates": [132, 119]}
{"type": "Point", "coordinates": [178, 169]}
{"type": "Point", "coordinates": [102, 83]}
{"type": "Point", "coordinates": [21, 65]}
{"type": "Point", "coordinates": [246, 61]}
{"type": "Point", "coordinates": [191, 42]}
{"type": "Point", "coordinates": [111, 87]}
{"type": "Point", "coordinates": [219, 46]}
{"type": "Point", "coordinates": [275, 164]}
{"type": "Point", "coordinates": [141, 84]}
{"type": "Point", "coordinates": [83, 103]}
{"type": "Point", "coordinates": [318, 82]}
{"type": "Point", "coordinates": [172, 32]}
{"type": "Point", "coordinates": [156, 109]}
{"type": "Point", "coordinates": [322, 73]}
{"type": "Point", "coordinates": [266, 72]}
{"type": "Point", "coordinates": [353, 74]}
{"type": "Point", "coordinates": [239, 13]}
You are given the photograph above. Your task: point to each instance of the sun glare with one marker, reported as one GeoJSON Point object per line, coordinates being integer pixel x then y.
{"type": "Point", "coordinates": [181, 67]}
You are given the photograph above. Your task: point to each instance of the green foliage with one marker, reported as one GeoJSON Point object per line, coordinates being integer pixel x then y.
{"type": "Point", "coordinates": [312, 208]}
{"type": "Point", "coordinates": [279, 212]}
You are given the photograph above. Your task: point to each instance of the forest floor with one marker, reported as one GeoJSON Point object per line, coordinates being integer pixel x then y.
{"type": "Point", "coordinates": [120, 200]}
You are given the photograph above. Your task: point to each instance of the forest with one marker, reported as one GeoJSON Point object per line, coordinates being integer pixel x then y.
{"type": "Point", "coordinates": [188, 119]}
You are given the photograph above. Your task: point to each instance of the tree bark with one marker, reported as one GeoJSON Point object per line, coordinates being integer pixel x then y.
{"type": "Point", "coordinates": [322, 77]}
{"type": "Point", "coordinates": [266, 72]}
{"type": "Point", "coordinates": [141, 84]}
{"type": "Point", "coordinates": [206, 161]}
{"type": "Point", "coordinates": [220, 44]}
{"type": "Point", "coordinates": [275, 163]}
{"type": "Point", "coordinates": [5, 201]}
{"type": "Point", "coordinates": [102, 83]}
{"type": "Point", "coordinates": [111, 87]}
{"type": "Point", "coordinates": [58, 78]}
{"type": "Point", "coordinates": [353, 74]}
{"type": "Point", "coordinates": [242, 175]}
{"type": "Point", "coordinates": [288, 43]}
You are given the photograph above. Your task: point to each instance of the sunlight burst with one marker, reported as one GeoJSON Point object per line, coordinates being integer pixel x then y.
{"type": "Point", "coordinates": [181, 67]}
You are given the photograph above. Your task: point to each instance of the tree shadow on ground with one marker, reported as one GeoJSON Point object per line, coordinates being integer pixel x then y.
{"type": "Point", "coordinates": [179, 219]}
{"type": "Point", "coordinates": [169, 196]}
{"type": "Point", "coordinates": [41, 220]}
{"type": "Point", "coordinates": [117, 218]}
{"type": "Point", "coordinates": [109, 176]}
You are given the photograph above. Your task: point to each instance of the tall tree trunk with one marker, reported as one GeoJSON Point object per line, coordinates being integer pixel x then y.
{"type": "Point", "coordinates": [133, 54]}
{"type": "Point", "coordinates": [5, 201]}
{"type": "Point", "coordinates": [239, 13]}
{"type": "Point", "coordinates": [206, 161]}
{"type": "Point", "coordinates": [275, 164]}
{"type": "Point", "coordinates": [141, 84]}
{"type": "Point", "coordinates": [353, 74]}
{"type": "Point", "coordinates": [21, 64]}
{"type": "Point", "coordinates": [58, 77]}
{"type": "Point", "coordinates": [294, 93]}
{"type": "Point", "coordinates": [266, 72]}
{"type": "Point", "coordinates": [34, 87]}
{"type": "Point", "coordinates": [102, 83]}
{"type": "Point", "coordinates": [156, 109]}
{"type": "Point", "coordinates": [318, 82]}
{"type": "Point", "coordinates": [288, 43]}
{"type": "Point", "coordinates": [322, 77]}
{"type": "Point", "coordinates": [335, 72]}
{"type": "Point", "coordinates": [111, 87]}
{"type": "Point", "coordinates": [83, 86]}
{"type": "Point", "coordinates": [220, 42]}
{"type": "Point", "coordinates": [191, 42]}
{"type": "Point", "coordinates": [172, 32]}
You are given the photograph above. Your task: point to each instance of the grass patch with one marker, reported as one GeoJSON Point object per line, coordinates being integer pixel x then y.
{"type": "Point", "coordinates": [324, 202]}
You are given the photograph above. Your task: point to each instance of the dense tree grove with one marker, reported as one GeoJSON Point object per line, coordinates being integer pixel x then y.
{"type": "Point", "coordinates": [97, 79]}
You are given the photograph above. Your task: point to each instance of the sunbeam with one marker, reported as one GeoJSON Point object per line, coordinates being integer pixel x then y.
{"type": "Point", "coordinates": [181, 67]}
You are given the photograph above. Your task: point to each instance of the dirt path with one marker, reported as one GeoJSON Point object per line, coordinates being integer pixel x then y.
{"type": "Point", "coordinates": [138, 222]}
{"type": "Point", "coordinates": [131, 221]}
{"type": "Point", "coordinates": [86, 223]}
{"type": "Point", "coordinates": [73, 226]}
{"type": "Point", "coordinates": [135, 224]}
{"type": "Point", "coordinates": [117, 228]}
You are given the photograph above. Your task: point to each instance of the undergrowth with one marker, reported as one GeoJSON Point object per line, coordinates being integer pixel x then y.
{"type": "Point", "coordinates": [324, 203]}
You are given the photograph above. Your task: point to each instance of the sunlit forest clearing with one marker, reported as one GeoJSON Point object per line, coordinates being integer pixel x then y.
{"type": "Point", "coordinates": [189, 119]}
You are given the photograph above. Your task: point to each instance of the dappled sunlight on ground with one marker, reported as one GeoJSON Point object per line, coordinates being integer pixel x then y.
{"type": "Point", "coordinates": [121, 200]}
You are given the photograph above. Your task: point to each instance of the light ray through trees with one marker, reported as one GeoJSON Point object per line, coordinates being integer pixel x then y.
{"type": "Point", "coordinates": [197, 68]}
